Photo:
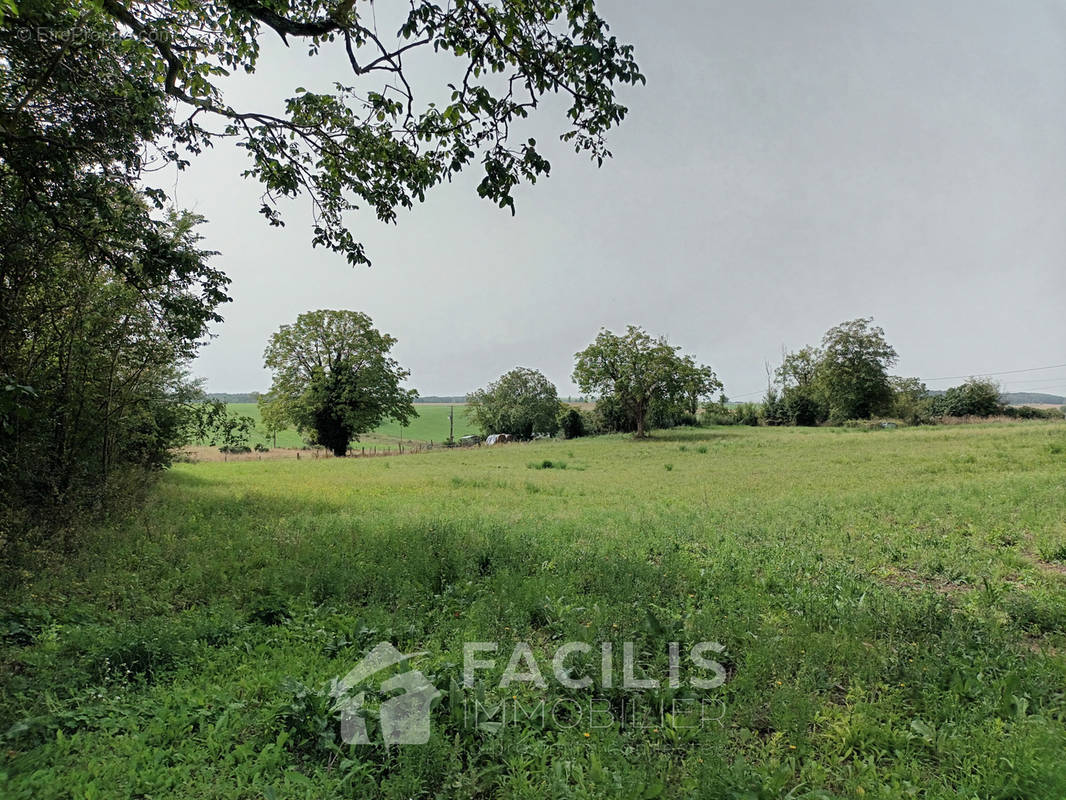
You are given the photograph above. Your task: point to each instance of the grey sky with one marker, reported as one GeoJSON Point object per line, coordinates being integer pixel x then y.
{"type": "Point", "coordinates": [789, 165]}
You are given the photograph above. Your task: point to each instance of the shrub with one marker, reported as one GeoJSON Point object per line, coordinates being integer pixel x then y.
{"type": "Point", "coordinates": [748, 413]}
{"type": "Point", "coordinates": [717, 415]}
{"type": "Point", "coordinates": [571, 422]}
{"type": "Point", "coordinates": [975, 398]}
{"type": "Point", "coordinates": [612, 417]}
{"type": "Point", "coordinates": [800, 406]}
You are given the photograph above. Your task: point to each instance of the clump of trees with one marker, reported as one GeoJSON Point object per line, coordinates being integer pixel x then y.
{"type": "Point", "coordinates": [334, 379]}
{"type": "Point", "coordinates": [847, 377]}
{"type": "Point", "coordinates": [635, 374]}
{"type": "Point", "coordinates": [522, 402]}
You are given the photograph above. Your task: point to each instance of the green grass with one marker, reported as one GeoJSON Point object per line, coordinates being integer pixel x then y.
{"type": "Point", "coordinates": [431, 425]}
{"type": "Point", "coordinates": [892, 605]}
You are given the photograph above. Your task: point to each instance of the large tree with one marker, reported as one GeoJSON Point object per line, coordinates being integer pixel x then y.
{"type": "Point", "coordinates": [370, 139]}
{"type": "Point", "coordinates": [522, 402]}
{"type": "Point", "coordinates": [334, 379]}
{"type": "Point", "coordinates": [853, 370]}
{"type": "Point", "coordinates": [636, 370]}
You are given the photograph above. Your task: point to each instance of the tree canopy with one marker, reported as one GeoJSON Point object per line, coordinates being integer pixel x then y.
{"type": "Point", "coordinates": [846, 378]}
{"type": "Point", "coordinates": [372, 139]}
{"type": "Point", "coordinates": [854, 368]}
{"type": "Point", "coordinates": [522, 402]}
{"type": "Point", "coordinates": [637, 370]}
{"type": "Point", "coordinates": [334, 379]}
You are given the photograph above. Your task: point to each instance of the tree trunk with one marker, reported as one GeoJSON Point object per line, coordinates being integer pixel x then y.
{"type": "Point", "coordinates": [642, 413]}
{"type": "Point", "coordinates": [340, 451]}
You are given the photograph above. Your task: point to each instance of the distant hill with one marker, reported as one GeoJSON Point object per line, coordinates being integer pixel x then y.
{"type": "Point", "coordinates": [1026, 398]}
{"type": "Point", "coordinates": [433, 398]}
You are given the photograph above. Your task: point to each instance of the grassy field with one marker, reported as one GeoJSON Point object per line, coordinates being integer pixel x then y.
{"type": "Point", "coordinates": [892, 606]}
{"type": "Point", "coordinates": [431, 425]}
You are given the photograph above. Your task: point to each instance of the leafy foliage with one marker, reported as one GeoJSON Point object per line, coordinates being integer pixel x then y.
{"type": "Point", "coordinates": [638, 371]}
{"type": "Point", "coordinates": [571, 422]}
{"type": "Point", "coordinates": [976, 397]}
{"type": "Point", "coordinates": [104, 296]}
{"type": "Point", "coordinates": [334, 379]}
{"type": "Point", "coordinates": [213, 422]}
{"type": "Point", "coordinates": [853, 370]}
{"type": "Point", "coordinates": [846, 378]}
{"type": "Point", "coordinates": [522, 402]}
{"type": "Point", "coordinates": [369, 141]}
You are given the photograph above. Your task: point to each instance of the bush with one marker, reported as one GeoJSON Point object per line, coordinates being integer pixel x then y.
{"type": "Point", "coordinates": [748, 413]}
{"type": "Point", "coordinates": [717, 415]}
{"type": "Point", "coordinates": [975, 398]}
{"type": "Point", "coordinates": [546, 464]}
{"type": "Point", "coordinates": [1028, 412]}
{"type": "Point", "coordinates": [571, 422]}
{"type": "Point", "coordinates": [800, 406]}
{"type": "Point", "coordinates": [611, 416]}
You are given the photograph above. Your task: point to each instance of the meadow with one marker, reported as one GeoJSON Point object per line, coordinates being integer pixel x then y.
{"type": "Point", "coordinates": [431, 425]}
{"type": "Point", "coordinates": [892, 606]}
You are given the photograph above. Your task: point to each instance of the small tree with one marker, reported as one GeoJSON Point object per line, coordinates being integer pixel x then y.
{"type": "Point", "coordinates": [213, 423]}
{"type": "Point", "coordinates": [273, 416]}
{"type": "Point", "coordinates": [910, 400]}
{"type": "Point", "coordinates": [571, 422]}
{"type": "Point", "coordinates": [637, 370]}
{"type": "Point", "coordinates": [334, 379]}
{"type": "Point", "coordinates": [522, 402]}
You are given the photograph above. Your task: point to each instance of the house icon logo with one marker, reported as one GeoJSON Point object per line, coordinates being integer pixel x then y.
{"type": "Point", "coordinates": [404, 718]}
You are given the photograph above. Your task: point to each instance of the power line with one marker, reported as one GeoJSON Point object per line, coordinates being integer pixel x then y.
{"type": "Point", "coordinates": [1004, 372]}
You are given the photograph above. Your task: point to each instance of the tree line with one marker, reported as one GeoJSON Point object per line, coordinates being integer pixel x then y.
{"type": "Point", "coordinates": [333, 380]}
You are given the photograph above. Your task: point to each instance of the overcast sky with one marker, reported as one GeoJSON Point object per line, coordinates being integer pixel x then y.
{"type": "Point", "coordinates": [788, 166]}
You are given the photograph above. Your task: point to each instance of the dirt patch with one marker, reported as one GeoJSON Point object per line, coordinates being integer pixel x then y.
{"type": "Point", "coordinates": [1051, 566]}
{"type": "Point", "coordinates": [911, 580]}
{"type": "Point", "coordinates": [206, 453]}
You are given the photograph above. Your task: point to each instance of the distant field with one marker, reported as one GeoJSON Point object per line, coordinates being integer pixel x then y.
{"type": "Point", "coordinates": [431, 425]}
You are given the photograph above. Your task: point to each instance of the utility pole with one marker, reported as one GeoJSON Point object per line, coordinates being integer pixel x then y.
{"type": "Point", "coordinates": [451, 423]}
